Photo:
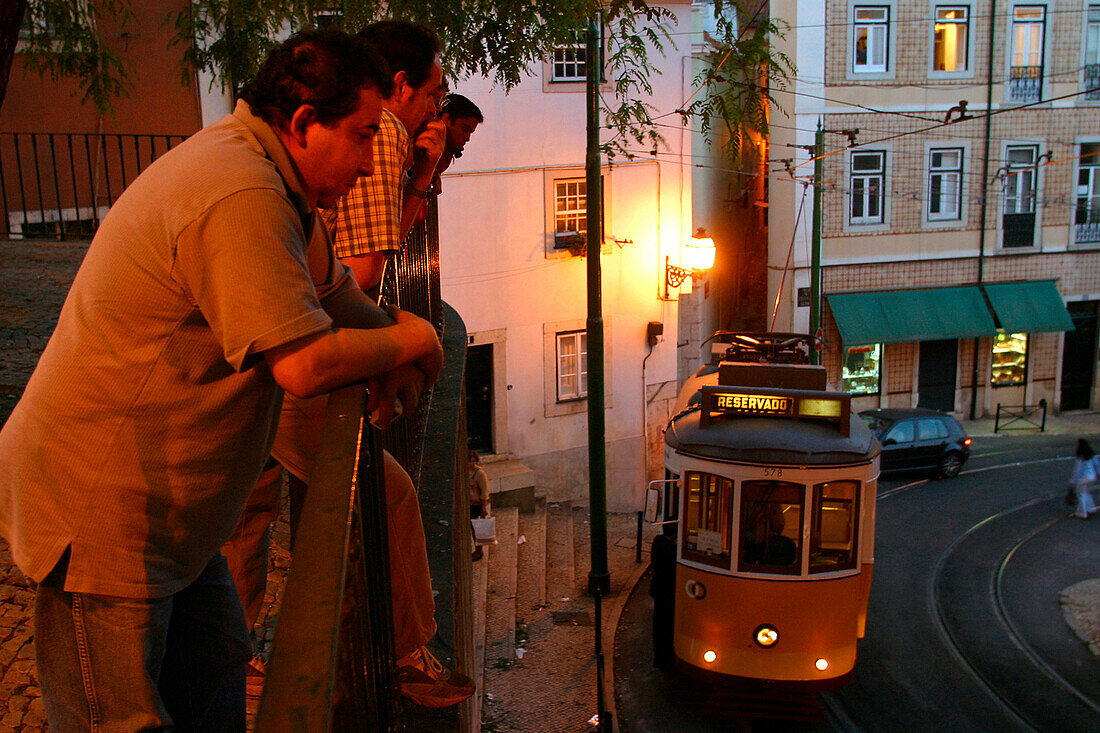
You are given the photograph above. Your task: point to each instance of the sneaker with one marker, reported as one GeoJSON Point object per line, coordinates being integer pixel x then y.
{"type": "Point", "coordinates": [425, 681]}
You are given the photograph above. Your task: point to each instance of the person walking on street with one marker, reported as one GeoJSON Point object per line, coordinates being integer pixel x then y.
{"type": "Point", "coordinates": [1083, 478]}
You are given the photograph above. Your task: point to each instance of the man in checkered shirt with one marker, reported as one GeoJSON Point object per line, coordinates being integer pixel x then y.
{"type": "Point", "coordinates": [367, 227]}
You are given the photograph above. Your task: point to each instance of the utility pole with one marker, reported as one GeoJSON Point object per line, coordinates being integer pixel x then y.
{"type": "Point", "coordinates": [599, 580]}
{"type": "Point", "coordinates": [815, 244]}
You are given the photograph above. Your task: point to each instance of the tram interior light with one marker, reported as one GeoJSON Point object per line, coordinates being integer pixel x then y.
{"type": "Point", "coordinates": [709, 656]}
{"type": "Point", "coordinates": [766, 636]}
{"type": "Point", "coordinates": [822, 664]}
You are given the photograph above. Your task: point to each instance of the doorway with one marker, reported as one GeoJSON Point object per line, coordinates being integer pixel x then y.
{"type": "Point", "coordinates": [938, 365]}
{"type": "Point", "coordinates": [1079, 357]}
{"type": "Point", "coordinates": [479, 397]}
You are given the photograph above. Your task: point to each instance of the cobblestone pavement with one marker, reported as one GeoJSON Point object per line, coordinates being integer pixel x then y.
{"type": "Point", "coordinates": [34, 280]}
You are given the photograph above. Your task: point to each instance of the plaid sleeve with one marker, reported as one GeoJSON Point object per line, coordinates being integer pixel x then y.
{"type": "Point", "coordinates": [368, 219]}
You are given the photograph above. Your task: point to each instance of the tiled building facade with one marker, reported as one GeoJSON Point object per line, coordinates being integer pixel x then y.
{"type": "Point", "coordinates": [900, 87]}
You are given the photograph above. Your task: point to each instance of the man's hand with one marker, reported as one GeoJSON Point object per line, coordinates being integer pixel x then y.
{"type": "Point", "coordinates": [432, 361]}
{"type": "Point", "coordinates": [394, 393]}
{"type": "Point", "coordinates": [427, 150]}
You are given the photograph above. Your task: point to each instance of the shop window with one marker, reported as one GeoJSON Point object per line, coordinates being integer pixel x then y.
{"type": "Point", "coordinates": [1019, 194]}
{"type": "Point", "coordinates": [572, 356]}
{"type": "Point", "coordinates": [707, 505]}
{"type": "Point", "coordinates": [833, 527]}
{"type": "Point", "coordinates": [952, 34]}
{"type": "Point", "coordinates": [861, 372]}
{"type": "Point", "coordinates": [1009, 359]}
{"type": "Point", "coordinates": [771, 527]}
{"type": "Point", "coordinates": [868, 179]}
{"type": "Point", "coordinates": [945, 184]}
{"type": "Point", "coordinates": [1026, 72]}
{"type": "Point", "coordinates": [871, 39]}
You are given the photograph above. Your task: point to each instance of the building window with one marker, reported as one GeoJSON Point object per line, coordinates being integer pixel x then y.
{"type": "Point", "coordinates": [1092, 52]}
{"type": "Point", "coordinates": [1026, 74]}
{"type": "Point", "coordinates": [570, 211]}
{"type": "Point", "coordinates": [952, 33]}
{"type": "Point", "coordinates": [1009, 360]}
{"type": "Point", "coordinates": [945, 184]}
{"type": "Point", "coordinates": [861, 372]}
{"type": "Point", "coordinates": [871, 39]}
{"type": "Point", "coordinates": [771, 527]}
{"type": "Point", "coordinates": [572, 354]}
{"type": "Point", "coordinates": [1087, 215]}
{"type": "Point", "coordinates": [1020, 185]}
{"type": "Point", "coordinates": [867, 187]}
{"type": "Point", "coordinates": [568, 61]}
{"type": "Point", "coordinates": [833, 531]}
{"type": "Point", "coordinates": [707, 502]}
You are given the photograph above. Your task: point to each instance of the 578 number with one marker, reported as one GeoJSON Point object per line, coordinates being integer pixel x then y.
{"type": "Point", "coordinates": [773, 471]}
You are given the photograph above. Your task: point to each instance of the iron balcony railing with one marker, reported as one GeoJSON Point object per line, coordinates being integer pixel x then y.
{"type": "Point", "coordinates": [1087, 225]}
{"type": "Point", "coordinates": [1092, 81]}
{"type": "Point", "coordinates": [1025, 83]}
{"type": "Point", "coordinates": [60, 185]}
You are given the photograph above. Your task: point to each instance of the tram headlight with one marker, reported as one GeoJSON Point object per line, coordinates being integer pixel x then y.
{"type": "Point", "coordinates": [709, 656]}
{"type": "Point", "coordinates": [766, 635]}
{"type": "Point", "coordinates": [822, 664]}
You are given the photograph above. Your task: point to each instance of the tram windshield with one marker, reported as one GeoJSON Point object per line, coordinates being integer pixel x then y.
{"type": "Point", "coordinates": [833, 527]}
{"type": "Point", "coordinates": [771, 527]}
{"type": "Point", "coordinates": [707, 519]}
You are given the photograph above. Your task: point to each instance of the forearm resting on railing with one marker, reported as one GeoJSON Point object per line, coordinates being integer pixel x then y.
{"type": "Point", "coordinates": [320, 363]}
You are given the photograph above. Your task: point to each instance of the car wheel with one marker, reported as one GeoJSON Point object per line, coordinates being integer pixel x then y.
{"type": "Point", "coordinates": [950, 464]}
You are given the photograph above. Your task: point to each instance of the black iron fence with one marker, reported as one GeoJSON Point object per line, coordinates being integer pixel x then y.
{"type": "Point", "coordinates": [60, 185]}
{"type": "Point", "coordinates": [1023, 417]}
{"type": "Point", "coordinates": [331, 666]}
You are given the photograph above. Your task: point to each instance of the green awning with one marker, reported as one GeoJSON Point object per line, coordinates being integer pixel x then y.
{"type": "Point", "coordinates": [898, 316]}
{"type": "Point", "coordinates": [1031, 307]}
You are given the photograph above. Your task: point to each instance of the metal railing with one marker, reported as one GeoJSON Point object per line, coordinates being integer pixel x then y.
{"type": "Point", "coordinates": [331, 666]}
{"type": "Point", "coordinates": [60, 185]}
{"type": "Point", "coordinates": [1025, 83]}
{"type": "Point", "coordinates": [1087, 225]}
{"type": "Point", "coordinates": [1024, 417]}
{"type": "Point", "coordinates": [1092, 81]}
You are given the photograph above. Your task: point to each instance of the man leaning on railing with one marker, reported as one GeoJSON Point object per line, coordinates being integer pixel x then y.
{"type": "Point", "coordinates": [209, 289]}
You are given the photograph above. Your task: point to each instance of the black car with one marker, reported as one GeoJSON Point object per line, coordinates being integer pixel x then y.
{"type": "Point", "coordinates": [917, 439]}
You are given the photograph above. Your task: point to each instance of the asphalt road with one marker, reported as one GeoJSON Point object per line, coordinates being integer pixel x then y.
{"type": "Point", "coordinates": [964, 632]}
{"type": "Point", "coordinates": [964, 627]}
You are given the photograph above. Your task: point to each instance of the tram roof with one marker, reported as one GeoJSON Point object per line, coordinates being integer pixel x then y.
{"type": "Point", "coordinates": [771, 440]}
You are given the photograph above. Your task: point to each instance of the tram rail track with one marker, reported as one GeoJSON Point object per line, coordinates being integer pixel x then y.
{"type": "Point", "coordinates": [960, 647]}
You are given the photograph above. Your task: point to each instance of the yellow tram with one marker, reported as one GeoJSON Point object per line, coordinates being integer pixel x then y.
{"type": "Point", "coordinates": [763, 566]}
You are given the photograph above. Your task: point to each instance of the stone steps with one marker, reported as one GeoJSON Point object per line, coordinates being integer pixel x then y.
{"type": "Point", "coordinates": [500, 600]}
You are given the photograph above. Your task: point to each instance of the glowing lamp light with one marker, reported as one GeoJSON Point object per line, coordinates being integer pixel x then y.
{"type": "Point", "coordinates": [822, 664]}
{"type": "Point", "coordinates": [709, 656]}
{"type": "Point", "coordinates": [766, 636]}
{"type": "Point", "coordinates": [699, 251]}
{"type": "Point", "coordinates": [698, 256]}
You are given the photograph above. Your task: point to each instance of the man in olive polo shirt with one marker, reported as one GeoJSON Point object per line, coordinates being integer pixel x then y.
{"type": "Point", "coordinates": [209, 289]}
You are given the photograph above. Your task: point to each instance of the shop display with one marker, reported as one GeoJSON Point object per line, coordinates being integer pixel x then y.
{"type": "Point", "coordinates": [1009, 359]}
{"type": "Point", "coordinates": [861, 371]}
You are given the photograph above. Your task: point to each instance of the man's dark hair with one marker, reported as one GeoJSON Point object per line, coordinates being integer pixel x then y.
{"type": "Point", "coordinates": [405, 46]}
{"type": "Point", "coordinates": [458, 106]}
{"type": "Point", "coordinates": [325, 69]}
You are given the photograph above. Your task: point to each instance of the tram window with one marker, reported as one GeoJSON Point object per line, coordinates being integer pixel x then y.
{"type": "Point", "coordinates": [707, 521]}
{"type": "Point", "coordinates": [834, 526]}
{"type": "Point", "coordinates": [771, 527]}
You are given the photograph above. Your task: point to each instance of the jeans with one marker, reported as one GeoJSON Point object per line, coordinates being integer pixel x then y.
{"type": "Point", "coordinates": [143, 664]}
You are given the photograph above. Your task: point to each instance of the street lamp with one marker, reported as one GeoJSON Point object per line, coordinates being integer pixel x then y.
{"type": "Point", "coordinates": [698, 256]}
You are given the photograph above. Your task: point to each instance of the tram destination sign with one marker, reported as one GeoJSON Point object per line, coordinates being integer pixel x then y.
{"type": "Point", "coordinates": [720, 402]}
